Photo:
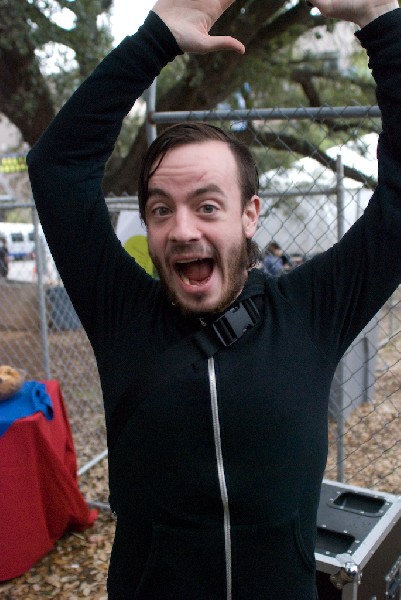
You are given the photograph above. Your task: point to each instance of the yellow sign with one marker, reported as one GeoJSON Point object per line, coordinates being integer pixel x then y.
{"type": "Point", "coordinates": [137, 247]}
{"type": "Point", "coordinates": [13, 164]}
{"type": "Point", "coordinates": [132, 234]}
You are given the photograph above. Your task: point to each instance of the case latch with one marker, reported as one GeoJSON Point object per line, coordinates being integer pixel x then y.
{"type": "Point", "coordinates": [349, 572]}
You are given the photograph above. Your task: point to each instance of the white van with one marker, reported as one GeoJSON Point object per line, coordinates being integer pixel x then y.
{"type": "Point", "coordinates": [20, 240]}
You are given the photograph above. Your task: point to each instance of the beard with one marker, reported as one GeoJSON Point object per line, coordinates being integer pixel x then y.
{"type": "Point", "coordinates": [236, 275]}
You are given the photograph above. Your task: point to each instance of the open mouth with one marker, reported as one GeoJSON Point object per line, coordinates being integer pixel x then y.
{"type": "Point", "coordinates": [195, 272]}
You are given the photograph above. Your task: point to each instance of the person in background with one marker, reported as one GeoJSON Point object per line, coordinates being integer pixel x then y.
{"type": "Point", "coordinates": [297, 259]}
{"type": "Point", "coordinates": [215, 462]}
{"type": "Point", "coordinates": [275, 262]}
{"type": "Point", "coordinates": [3, 258]}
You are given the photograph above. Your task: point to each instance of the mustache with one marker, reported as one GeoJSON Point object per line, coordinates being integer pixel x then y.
{"type": "Point", "coordinates": [190, 248]}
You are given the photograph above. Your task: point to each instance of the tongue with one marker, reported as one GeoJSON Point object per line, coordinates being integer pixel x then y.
{"type": "Point", "coordinates": [197, 271]}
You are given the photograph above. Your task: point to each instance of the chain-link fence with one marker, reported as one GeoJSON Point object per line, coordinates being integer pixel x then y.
{"type": "Point", "coordinates": [318, 169]}
{"type": "Point", "coordinates": [41, 333]}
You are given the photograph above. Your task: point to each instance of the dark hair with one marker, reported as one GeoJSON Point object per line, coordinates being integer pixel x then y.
{"type": "Point", "coordinates": [273, 246]}
{"type": "Point", "coordinates": [194, 132]}
{"type": "Point", "coordinates": [190, 133]}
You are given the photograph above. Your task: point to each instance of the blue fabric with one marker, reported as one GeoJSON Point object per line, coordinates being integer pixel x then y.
{"type": "Point", "coordinates": [273, 265]}
{"type": "Point", "coordinates": [31, 398]}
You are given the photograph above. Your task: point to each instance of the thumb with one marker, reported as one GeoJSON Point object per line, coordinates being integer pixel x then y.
{"type": "Point", "coordinates": [221, 42]}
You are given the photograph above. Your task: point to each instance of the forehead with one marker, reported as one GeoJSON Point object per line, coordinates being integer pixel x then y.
{"type": "Point", "coordinates": [202, 161]}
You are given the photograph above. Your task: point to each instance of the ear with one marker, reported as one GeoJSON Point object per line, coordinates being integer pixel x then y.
{"type": "Point", "coordinates": [250, 216]}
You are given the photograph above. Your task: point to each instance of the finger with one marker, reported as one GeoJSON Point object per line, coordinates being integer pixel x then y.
{"type": "Point", "coordinates": [215, 43]}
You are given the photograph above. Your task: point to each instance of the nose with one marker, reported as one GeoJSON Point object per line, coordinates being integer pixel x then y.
{"type": "Point", "coordinates": [184, 227]}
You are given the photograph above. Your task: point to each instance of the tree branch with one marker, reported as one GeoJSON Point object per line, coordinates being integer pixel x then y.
{"type": "Point", "coordinates": [24, 95]}
{"type": "Point", "coordinates": [303, 148]}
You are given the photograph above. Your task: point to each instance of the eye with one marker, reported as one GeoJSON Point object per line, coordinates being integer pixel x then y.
{"type": "Point", "coordinates": [160, 211]}
{"type": "Point", "coordinates": [208, 209]}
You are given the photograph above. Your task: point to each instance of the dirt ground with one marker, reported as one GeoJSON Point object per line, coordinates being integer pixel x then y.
{"type": "Point", "coordinates": [77, 566]}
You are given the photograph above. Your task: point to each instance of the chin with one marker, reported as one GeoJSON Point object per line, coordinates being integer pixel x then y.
{"type": "Point", "coordinates": [203, 306]}
{"type": "Point", "coordinates": [196, 307]}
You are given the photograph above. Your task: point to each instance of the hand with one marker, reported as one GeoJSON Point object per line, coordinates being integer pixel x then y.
{"type": "Point", "coordinates": [190, 22]}
{"type": "Point", "coordinates": [360, 12]}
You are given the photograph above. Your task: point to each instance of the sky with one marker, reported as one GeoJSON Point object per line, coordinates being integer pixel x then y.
{"type": "Point", "coordinates": [128, 15]}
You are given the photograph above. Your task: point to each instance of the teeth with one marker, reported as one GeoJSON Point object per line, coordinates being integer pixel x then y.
{"type": "Point", "coordinates": [183, 262]}
{"type": "Point", "coordinates": [185, 279]}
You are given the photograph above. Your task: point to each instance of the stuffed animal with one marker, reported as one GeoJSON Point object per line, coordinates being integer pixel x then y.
{"type": "Point", "coordinates": [11, 381]}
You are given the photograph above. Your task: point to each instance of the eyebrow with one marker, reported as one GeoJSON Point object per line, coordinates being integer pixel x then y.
{"type": "Point", "coordinates": [212, 187]}
{"type": "Point", "coordinates": [157, 192]}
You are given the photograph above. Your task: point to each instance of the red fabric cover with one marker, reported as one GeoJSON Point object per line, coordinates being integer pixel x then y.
{"type": "Point", "coordinates": [39, 495]}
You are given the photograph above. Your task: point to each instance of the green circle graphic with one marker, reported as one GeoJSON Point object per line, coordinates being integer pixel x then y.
{"type": "Point", "coordinates": [137, 247]}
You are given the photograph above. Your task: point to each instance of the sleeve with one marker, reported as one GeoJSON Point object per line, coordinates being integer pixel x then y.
{"type": "Point", "coordinates": [340, 291]}
{"type": "Point", "coordinates": [66, 168]}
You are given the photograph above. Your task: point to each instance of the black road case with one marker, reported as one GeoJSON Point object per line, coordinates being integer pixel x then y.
{"type": "Point", "coordinates": [358, 549]}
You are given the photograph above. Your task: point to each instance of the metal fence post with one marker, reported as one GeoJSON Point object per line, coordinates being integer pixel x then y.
{"type": "Point", "coordinates": [151, 130]}
{"type": "Point", "coordinates": [340, 369]}
{"type": "Point", "coordinates": [40, 268]}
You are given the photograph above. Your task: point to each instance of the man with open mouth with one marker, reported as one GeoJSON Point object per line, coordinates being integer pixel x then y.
{"type": "Point", "coordinates": [216, 378]}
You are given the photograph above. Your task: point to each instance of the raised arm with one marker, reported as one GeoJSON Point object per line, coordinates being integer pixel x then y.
{"type": "Point", "coordinates": [66, 166]}
{"type": "Point", "coordinates": [360, 12]}
{"type": "Point", "coordinates": [343, 288]}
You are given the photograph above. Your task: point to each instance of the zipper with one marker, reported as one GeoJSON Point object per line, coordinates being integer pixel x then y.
{"type": "Point", "coordinates": [221, 474]}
